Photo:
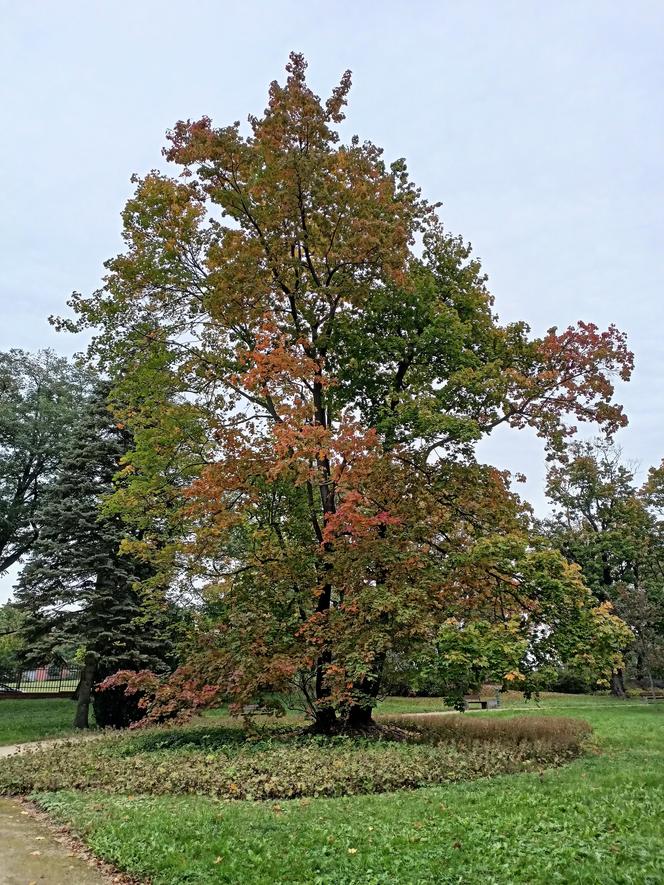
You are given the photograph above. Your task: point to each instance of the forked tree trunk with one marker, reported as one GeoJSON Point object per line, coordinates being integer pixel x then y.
{"type": "Point", "coordinates": [360, 715]}
{"type": "Point", "coordinates": [84, 691]}
{"type": "Point", "coordinates": [326, 717]}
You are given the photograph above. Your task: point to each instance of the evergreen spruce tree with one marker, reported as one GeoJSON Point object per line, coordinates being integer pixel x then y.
{"type": "Point", "coordinates": [77, 588]}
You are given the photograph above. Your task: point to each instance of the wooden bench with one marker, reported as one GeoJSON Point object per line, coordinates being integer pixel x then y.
{"type": "Point", "coordinates": [256, 710]}
{"type": "Point", "coordinates": [481, 703]}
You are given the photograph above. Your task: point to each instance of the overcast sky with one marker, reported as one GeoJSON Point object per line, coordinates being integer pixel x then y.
{"type": "Point", "coordinates": [539, 125]}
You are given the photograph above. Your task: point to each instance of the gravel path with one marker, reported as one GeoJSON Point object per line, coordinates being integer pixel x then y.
{"type": "Point", "coordinates": [29, 852]}
{"type": "Point", "coordinates": [11, 749]}
{"type": "Point", "coordinates": [31, 855]}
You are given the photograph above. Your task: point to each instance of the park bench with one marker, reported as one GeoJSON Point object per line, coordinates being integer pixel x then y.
{"type": "Point", "coordinates": [481, 703]}
{"type": "Point", "coordinates": [256, 710]}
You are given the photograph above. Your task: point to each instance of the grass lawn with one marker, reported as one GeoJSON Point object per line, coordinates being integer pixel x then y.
{"type": "Point", "coordinates": [32, 720]}
{"type": "Point", "coordinates": [597, 820]}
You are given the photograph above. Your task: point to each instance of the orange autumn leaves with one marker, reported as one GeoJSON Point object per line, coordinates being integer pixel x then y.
{"type": "Point", "coordinates": [333, 379]}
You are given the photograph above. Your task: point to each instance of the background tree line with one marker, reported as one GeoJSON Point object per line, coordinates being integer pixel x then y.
{"type": "Point", "coordinates": [78, 595]}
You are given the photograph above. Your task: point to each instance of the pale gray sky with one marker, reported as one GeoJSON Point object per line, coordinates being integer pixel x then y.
{"type": "Point", "coordinates": [539, 125]}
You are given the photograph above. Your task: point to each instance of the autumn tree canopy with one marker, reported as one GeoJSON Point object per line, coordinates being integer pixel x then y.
{"type": "Point", "coordinates": [307, 359]}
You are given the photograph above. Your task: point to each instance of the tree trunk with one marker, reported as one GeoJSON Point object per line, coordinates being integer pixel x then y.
{"type": "Point", "coordinates": [618, 684]}
{"type": "Point", "coordinates": [84, 691]}
{"type": "Point", "coordinates": [325, 721]}
{"type": "Point", "coordinates": [359, 716]}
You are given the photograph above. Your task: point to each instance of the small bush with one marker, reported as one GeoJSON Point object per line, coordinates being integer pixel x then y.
{"type": "Point", "coordinates": [556, 733]}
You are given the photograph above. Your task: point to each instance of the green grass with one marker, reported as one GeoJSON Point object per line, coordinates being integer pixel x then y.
{"type": "Point", "coordinates": [33, 720]}
{"type": "Point", "coordinates": [598, 820]}
{"type": "Point", "coordinates": [511, 700]}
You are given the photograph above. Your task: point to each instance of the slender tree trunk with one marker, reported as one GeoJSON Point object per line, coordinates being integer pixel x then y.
{"type": "Point", "coordinates": [653, 693]}
{"type": "Point", "coordinates": [640, 666]}
{"type": "Point", "coordinates": [84, 691]}
{"type": "Point", "coordinates": [326, 717]}
{"type": "Point", "coordinates": [618, 684]}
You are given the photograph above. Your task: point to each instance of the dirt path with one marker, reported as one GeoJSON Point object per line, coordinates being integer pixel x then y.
{"type": "Point", "coordinates": [31, 855]}
{"type": "Point", "coordinates": [11, 749]}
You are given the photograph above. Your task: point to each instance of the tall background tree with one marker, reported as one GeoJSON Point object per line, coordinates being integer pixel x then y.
{"type": "Point", "coordinates": [334, 380]}
{"type": "Point", "coordinates": [39, 400]}
{"type": "Point", "coordinates": [11, 641]}
{"type": "Point", "coordinates": [79, 588]}
{"type": "Point", "coordinates": [613, 530]}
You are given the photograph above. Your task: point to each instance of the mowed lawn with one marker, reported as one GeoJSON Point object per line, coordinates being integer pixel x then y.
{"type": "Point", "coordinates": [34, 720]}
{"type": "Point", "coordinates": [598, 820]}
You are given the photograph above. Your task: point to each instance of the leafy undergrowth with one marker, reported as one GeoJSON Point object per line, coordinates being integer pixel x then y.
{"type": "Point", "coordinates": [599, 819]}
{"type": "Point", "coordinates": [284, 763]}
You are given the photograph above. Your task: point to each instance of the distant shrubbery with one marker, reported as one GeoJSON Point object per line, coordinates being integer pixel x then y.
{"type": "Point", "coordinates": [549, 734]}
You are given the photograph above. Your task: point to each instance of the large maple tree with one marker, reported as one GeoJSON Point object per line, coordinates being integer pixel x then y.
{"type": "Point", "coordinates": [307, 360]}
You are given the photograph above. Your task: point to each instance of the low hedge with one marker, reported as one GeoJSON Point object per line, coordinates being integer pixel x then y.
{"type": "Point", "coordinates": [409, 752]}
{"type": "Point", "coordinates": [555, 733]}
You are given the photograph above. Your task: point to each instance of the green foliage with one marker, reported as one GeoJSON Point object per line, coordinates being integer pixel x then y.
{"type": "Point", "coordinates": [12, 645]}
{"type": "Point", "coordinates": [614, 532]}
{"type": "Point", "coordinates": [78, 587]}
{"type": "Point", "coordinates": [596, 820]}
{"type": "Point", "coordinates": [39, 400]}
{"type": "Point", "coordinates": [467, 656]}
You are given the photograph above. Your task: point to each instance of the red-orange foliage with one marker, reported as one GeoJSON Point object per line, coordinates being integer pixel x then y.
{"type": "Point", "coordinates": [331, 385]}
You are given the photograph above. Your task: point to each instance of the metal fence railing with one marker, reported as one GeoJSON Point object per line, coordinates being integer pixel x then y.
{"type": "Point", "coordinates": [41, 680]}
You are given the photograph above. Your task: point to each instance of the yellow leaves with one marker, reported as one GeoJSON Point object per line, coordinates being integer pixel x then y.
{"type": "Point", "coordinates": [514, 676]}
